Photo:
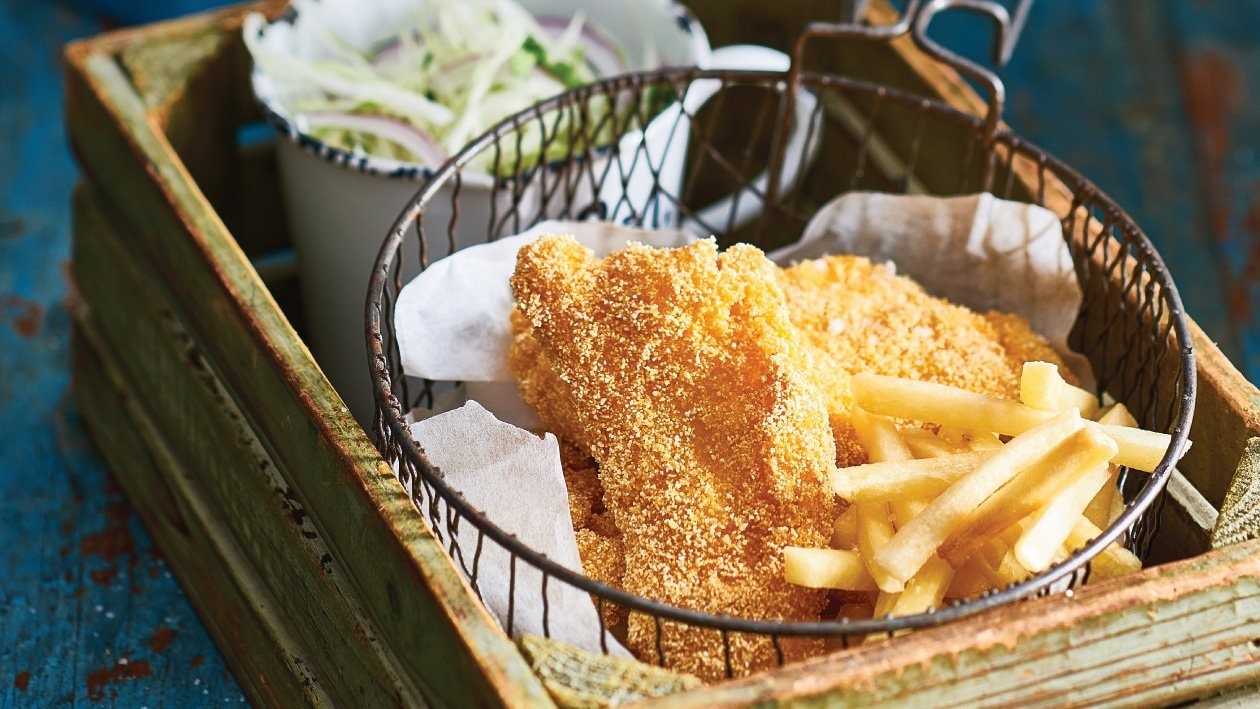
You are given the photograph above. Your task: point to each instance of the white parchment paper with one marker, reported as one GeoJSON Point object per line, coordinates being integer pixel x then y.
{"type": "Point", "coordinates": [452, 323]}
{"type": "Point", "coordinates": [452, 320]}
{"type": "Point", "coordinates": [514, 478]}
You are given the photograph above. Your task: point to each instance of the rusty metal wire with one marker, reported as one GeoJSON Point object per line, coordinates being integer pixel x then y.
{"type": "Point", "coordinates": [1131, 325]}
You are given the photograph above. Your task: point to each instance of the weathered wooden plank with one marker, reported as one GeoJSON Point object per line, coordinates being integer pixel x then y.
{"type": "Point", "coordinates": [218, 580]}
{"type": "Point", "coordinates": [1166, 634]}
{"type": "Point", "coordinates": [356, 503]}
{"type": "Point", "coordinates": [198, 416]}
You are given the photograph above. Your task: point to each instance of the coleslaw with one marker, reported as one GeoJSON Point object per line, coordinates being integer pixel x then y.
{"type": "Point", "coordinates": [446, 77]}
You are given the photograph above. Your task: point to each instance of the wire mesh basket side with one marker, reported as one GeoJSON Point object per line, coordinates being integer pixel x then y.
{"type": "Point", "coordinates": [1130, 326]}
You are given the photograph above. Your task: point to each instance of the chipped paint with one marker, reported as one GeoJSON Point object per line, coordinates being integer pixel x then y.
{"type": "Point", "coordinates": [124, 670]}
{"type": "Point", "coordinates": [162, 638]}
{"type": "Point", "coordinates": [24, 315]}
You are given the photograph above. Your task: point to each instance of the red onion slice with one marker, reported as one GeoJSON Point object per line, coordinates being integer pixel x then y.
{"type": "Point", "coordinates": [415, 141]}
{"type": "Point", "coordinates": [601, 52]}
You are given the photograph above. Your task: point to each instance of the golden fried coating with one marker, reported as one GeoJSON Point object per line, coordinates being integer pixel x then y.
{"type": "Point", "coordinates": [599, 541]}
{"type": "Point", "coordinates": [693, 393]}
{"type": "Point", "coordinates": [540, 387]}
{"type": "Point", "coordinates": [857, 316]}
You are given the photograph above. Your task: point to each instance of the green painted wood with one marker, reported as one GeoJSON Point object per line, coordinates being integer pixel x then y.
{"type": "Point", "coordinates": [1167, 634]}
{"type": "Point", "coordinates": [196, 413]}
{"type": "Point", "coordinates": [219, 585]}
{"type": "Point", "coordinates": [425, 612]}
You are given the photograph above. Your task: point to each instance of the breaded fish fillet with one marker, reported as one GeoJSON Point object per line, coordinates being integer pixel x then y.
{"type": "Point", "coordinates": [858, 316]}
{"type": "Point", "coordinates": [690, 387]}
{"type": "Point", "coordinates": [599, 540]}
{"type": "Point", "coordinates": [540, 387]}
{"type": "Point", "coordinates": [853, 316]}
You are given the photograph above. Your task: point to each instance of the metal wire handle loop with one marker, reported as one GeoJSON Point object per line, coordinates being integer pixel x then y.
{"type": "Point", "coordinates": [1006, 34]}
{"type": "Point", "coordinates": [914, 21]}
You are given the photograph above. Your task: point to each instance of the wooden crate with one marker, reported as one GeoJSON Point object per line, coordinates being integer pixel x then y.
{"type": "Point", "coordinates": [314, 574]}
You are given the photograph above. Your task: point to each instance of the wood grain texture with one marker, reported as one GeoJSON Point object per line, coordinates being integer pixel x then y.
{"type": "Point", "coordinates": [422, 609]}
{"type": "Point", "coordinates": [221, 582]}
{"type": "Point", "coordinates": [194, 414]}
{"type": "Point", "coordinates": [1166, 634]}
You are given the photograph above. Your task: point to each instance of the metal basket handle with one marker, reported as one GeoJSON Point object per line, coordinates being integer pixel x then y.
{"type": "Point", "coordinates": [914, 21]}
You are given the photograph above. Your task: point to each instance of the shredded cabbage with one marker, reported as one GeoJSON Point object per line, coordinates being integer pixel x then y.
{"type": "Point", "coordinates": [420, 96]}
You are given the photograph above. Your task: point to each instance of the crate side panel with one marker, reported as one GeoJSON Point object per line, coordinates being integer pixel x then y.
{"type": "Point", "coordinates": [1167, 634]}
{"type": "Point", "coordinates": [257, 646]}
{"type": "Point", "coordinates": [352, 494]}
{"type": "Point", "coordinates": [238, 478]}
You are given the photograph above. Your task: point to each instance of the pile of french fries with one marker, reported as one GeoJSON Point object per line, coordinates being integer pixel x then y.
{"type": "Point", "coordinates": [950, 511]}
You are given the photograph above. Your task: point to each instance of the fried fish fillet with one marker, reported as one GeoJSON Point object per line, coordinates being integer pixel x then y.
{"type": "Point", "coordinates": [858, 316]}
{"type": "Point", "coordinates": [853, 316]}
{"type": "Point", "coordinates": [599, 542]}
{"type": "Point", "coordinates": [541, 387]}
{"type": "Point", "coordinates": [691, 390]}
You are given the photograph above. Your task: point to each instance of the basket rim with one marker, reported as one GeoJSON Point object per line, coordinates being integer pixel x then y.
{"type": "Point", "coordinates": [391, 424]}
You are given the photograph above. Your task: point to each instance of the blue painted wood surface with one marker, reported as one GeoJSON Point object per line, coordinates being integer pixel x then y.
{"type": "Point", "coordinates": [1157, 102]}
{"type": "Point", "coordinates": [88, 611]}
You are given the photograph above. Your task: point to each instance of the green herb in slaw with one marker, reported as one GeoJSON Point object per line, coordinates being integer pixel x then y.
{"type": "Point", "coordinates": [446, 77]}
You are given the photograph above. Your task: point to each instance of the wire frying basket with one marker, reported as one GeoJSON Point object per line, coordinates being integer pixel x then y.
{"type": "Point", "coordinates": [746, 140]}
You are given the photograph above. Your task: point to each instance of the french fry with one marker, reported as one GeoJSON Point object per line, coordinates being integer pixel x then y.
{"type": "Point", "coordinates": [878, 436]}
{"type": "Point", "coordinates": [984, 442]}
{"type": "Point", "coordinates": [926, 590]}
{"type": "Point", "coordinates": [884, 604]}
{"type": "Point", "coordinates": [883, 444]}
{"type": "Point", "coordinates": [1139, 449]}
{"type": "Point", "coordinates": [875, 530]}
{"type": "Point", "coordinates": [844, 533]}
{"type": "Point", "coordinates": [972, 579]}
{"type": "Point", "coordinates": [1042, 387]}
{"type": "Point", "coordinates": [1098, 511]}
{"type": "Point", "coordinates": [1033, 488]}
{"type": "Point", "coordinates": [1114, 560]}
{"type": "Point", "coordinates": [826, 568]}
{"type": "Point", "coordinates": [912, 546]}
{"type": "Point", "coordinates": [925, 444]}
{"type": "Point", "coordinates": [1050, 527]}
{"type": "Point", "coordinates": [1108, 504]}
{"type": "Point", "coordinates": [967, 439]}
{"type": "Point", "coordinates": [946, 405]}
{"type": "Point", "coordinates": [992, 548]}
{"type": "Point", "coordinates": [1010, 570]}
{"type": "Point", "coordinates": [943, 404]}
{"type": "Point", "coordinates": [921, 478]}
{"type": "Point", "coordinates": [1118, 415]}
{"type": "Point", "coordinates": [1117, 508]}
{"type": "Point", "coordinates": [905, 510]}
